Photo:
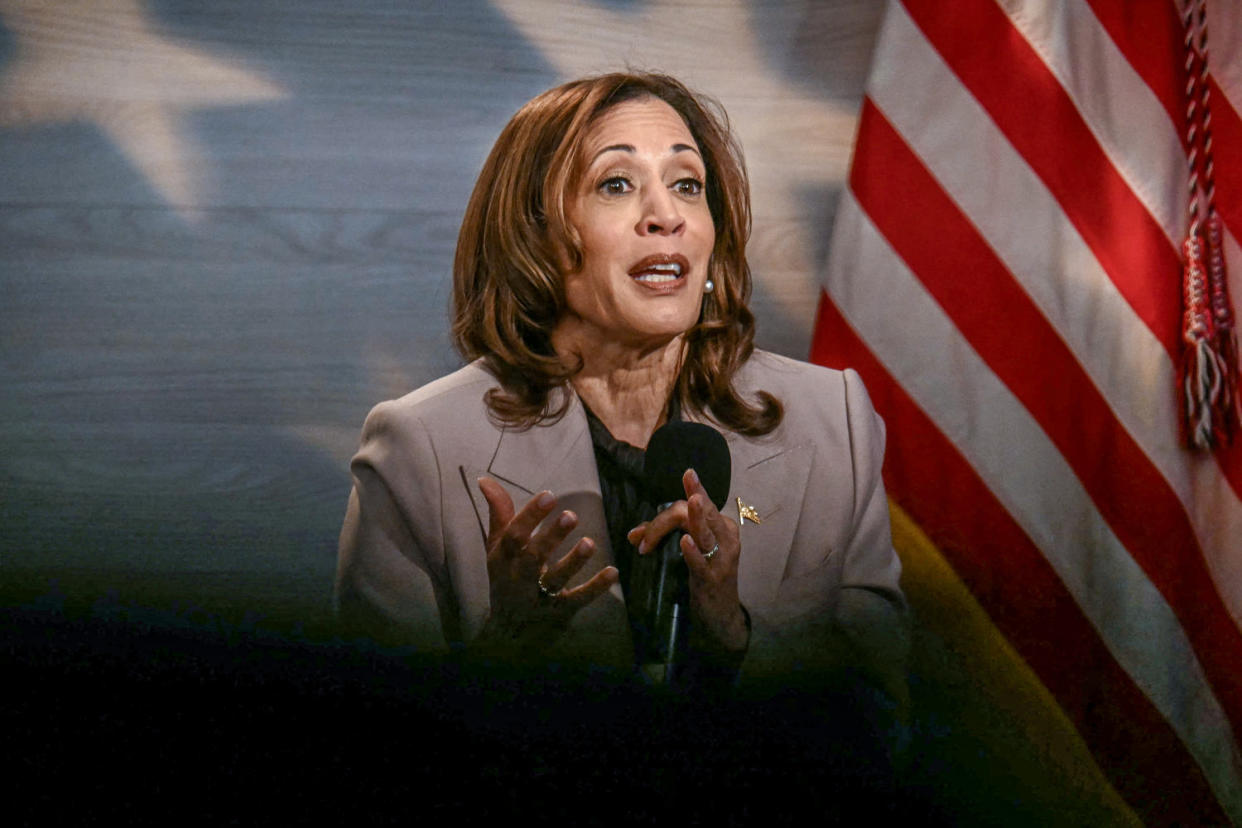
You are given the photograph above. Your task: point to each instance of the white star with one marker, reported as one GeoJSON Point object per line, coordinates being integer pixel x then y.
{"type": "Point", "coordinates": [99, 61]}
{"type": "Point", "coordinates": [794, 143]}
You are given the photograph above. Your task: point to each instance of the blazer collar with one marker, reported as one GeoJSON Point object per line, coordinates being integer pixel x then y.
{"type": "Point", "coordinates": [548, 456]}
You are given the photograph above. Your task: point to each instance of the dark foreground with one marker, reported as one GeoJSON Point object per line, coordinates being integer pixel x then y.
{"type": "Point", "coordinates": [121, 719]}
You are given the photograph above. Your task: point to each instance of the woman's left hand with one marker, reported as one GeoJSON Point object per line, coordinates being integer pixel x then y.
{"type": "Point", "coordinates": [715, 609]}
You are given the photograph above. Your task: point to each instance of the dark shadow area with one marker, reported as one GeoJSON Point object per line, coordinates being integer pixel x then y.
{"type": "Point", "coordinates": [245, 704]}
{"type": "Point", "coordinates": [156, 717]}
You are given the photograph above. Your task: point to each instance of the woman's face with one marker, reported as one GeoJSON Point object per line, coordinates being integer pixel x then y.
{"type": "Point", "coordinates": [641, 211]}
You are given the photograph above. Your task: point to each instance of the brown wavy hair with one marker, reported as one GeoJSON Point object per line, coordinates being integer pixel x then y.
{"type": "Point", "coordinates": [508, 288]}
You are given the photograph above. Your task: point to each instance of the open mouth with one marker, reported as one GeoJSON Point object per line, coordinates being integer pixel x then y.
{"type": "Point", "coordinates": [661, 270]}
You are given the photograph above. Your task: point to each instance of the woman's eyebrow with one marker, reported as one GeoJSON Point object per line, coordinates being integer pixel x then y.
{"type": "Point", "coordinates": [616, 147]}
{"type": "Point", "coordinates": [675, 148]}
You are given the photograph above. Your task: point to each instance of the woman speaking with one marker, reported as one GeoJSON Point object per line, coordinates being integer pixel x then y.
{"type": "Point", "coordinates": [600, 293]}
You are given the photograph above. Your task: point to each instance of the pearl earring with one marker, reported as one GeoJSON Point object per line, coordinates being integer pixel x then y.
{"type": "Point", "coordinates": [709, 286]}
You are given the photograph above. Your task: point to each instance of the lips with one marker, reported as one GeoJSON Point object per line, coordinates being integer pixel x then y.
{"type": "Point", "coordinates": [661, 269]}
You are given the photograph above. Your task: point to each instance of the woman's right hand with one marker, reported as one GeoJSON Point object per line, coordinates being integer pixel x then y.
{"type": "Point", "coordinates": [530, 606]}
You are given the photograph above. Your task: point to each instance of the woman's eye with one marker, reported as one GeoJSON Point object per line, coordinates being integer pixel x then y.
{"type": "Point", "coordinates": [689, 186]}
{"type": "Point", "coordinates": [616, 185]}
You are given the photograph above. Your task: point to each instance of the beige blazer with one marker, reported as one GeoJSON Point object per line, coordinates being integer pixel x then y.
{"type": "Point", "coordinates": [818, 574]}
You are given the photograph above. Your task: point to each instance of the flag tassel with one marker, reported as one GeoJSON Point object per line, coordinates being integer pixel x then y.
{"type": "Point", "coordinates": [1208, 375]}
{"type": "Point", "coordinates": [1226, 335]}
{"type": "Point", "coordinates": [1202, 368]}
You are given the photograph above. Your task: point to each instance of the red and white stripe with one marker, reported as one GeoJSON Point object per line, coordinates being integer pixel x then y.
{"type": "Point", "coordinates": [1005, 271]}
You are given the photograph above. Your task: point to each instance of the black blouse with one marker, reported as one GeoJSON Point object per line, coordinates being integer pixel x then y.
{"type": "Point", "coordinates": [627, 504]}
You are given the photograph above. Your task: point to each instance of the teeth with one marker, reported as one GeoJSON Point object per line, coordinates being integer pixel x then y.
{"type": "Point", "coordinates": [664, 272]}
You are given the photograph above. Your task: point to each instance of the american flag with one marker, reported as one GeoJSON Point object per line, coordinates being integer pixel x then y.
{"type": "Point", "coordinates": [1006, 274]}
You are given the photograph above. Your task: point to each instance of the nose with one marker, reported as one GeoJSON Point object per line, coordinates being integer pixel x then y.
{"type": "Point", "coordinates": [661, 216]}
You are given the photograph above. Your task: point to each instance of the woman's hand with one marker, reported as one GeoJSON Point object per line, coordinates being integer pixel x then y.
{"type": "Point", "coordinates": [530, 606]}
{"type": "Point", "coordinates": [717, 619]}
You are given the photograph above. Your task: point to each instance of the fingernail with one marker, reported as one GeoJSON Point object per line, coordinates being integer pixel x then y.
{"type": "Point", "coordinates": [694, 477]}
{"type": "Point", "coordinates": [642, 547]}
{"type": "Point", "coordinates": [566, 520]}
{"type": "Point", "coordinates": [545, 500]}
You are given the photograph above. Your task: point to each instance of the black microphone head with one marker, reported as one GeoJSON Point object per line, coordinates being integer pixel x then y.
{"type": "Point", "coordinates": [678, 446]}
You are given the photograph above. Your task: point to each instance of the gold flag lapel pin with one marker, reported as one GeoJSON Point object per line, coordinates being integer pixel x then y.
{"type": "Point", "coordinates": [747, 512]}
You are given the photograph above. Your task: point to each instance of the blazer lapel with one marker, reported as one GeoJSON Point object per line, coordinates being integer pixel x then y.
{"type": "Point", "coordinates": [770, 479]}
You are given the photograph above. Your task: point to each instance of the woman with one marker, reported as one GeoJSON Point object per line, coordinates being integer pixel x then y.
{"type": "Point", "coordinates": [600, 288]}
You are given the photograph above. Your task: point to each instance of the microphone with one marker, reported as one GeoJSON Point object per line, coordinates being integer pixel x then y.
{"type": "Point", "coordinates": [673, 448]}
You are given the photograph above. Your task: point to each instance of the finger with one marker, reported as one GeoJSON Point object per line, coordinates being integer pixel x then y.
{"type": "Point", "coordinates": [715, 571]}
{"type": "Point", "coordinates": [550, 535]}
{"type": "Point", "coordinates": [575, 599]}
{"type": "Point", "coordinates": [562, 572]}
{"type": "Point", "coordinates": [716, 523]}
{"type": "Point", "coordinates": [720, 528]}
{"type": "Point", "coordinates": [636, 534]}
{"type": "Point", "coordinates": [674, 517]}
{"type": "Point", "coordinates": [696, 510]}
{"type": "Point", "coordinates": [692, 484]}
{"type": "Point", "coordinates": [517, 534]}
{"type": "Point", "coordinates": [710, 530]}
{"type": "Point", "coordinates": [692, 554]}
{"type": "Point", "coordinates": [499, 506]}
{"type": "Point", "coordinates": [704, 516]}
